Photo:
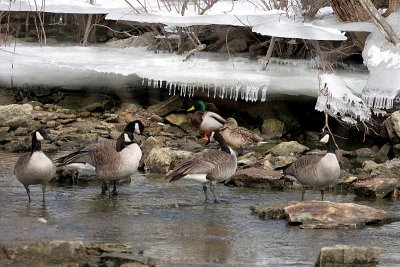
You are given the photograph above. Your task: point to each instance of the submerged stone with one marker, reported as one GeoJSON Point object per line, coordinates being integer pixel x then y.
{"type": "Point", "coordinates": [326, 215]}
{"type": "Point", "coordinates": [342, 255]}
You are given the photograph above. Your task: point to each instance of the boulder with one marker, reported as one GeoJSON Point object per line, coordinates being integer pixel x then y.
{"type": "Point", "coordinates": [392, 125]}
{"type": "Point", "coordinates": [163, 159]}
{"type": "Point", "coordinates": [272, 128]}
{"type": "Point", "coordinates": [343, 255]}
{"type": "Point", "coordinates": [288, 148]}
{"type": "Point", "coordinates": [15, 115]}
{"type": "Point", "coordinates": [167, 106]}
{"type": "Point", "coordinates": [391, 167]}
{"type": "Point", "coordinates": [328, 215]}
{"type": "Point", "coordinates": [257, 178]}
{"type": "Point", "coordinates": [377, 187]}
{"type": "Point", "coordinates": [54, 253]}
{"type": "Point", "coordinates": [271, 211]}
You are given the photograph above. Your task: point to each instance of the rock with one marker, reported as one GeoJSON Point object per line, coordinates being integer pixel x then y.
{"type": "Point", "coordinates": [346, 182]}
{"type": "Point", "coordinates": [54, 253]}
{"type": "Point", "coordinates": [331, 215]}
{"type": "Point", "coordinates": [167, 106]}
{"type": "Point", "coordinates": [377, 187]}
{"type": "Point", "coordinates": [236, 46]}
{"type": "Point", "coordinates": [257, 178]}
{"type": "Point", "coordinates": [15, 115]}
{"type": "Point", "coordinates": [177, 119]}
{"type": "Point", "coordinates": [392, 125]}
{"type": "Point", "coordinates": [120, 258]}
{"type": "Point", "coordinates": [391, 167]}
{"type": "Point", "coordinates": [272, 128]}
{"type": "Point", "coordinates": [271, 211]}
{"type": "Point", "coordinates": [163, 159]}
{"type": "Point", "coordinates": [282, 161]}
{"type": "Point", "coordinates": [288, 148]}
{"type": "Point", "coordinates": [365, 152]}
{"type": "Point", "coordinates": [247, 159]}
{"type": "Point", "coordinates": [343, 255]}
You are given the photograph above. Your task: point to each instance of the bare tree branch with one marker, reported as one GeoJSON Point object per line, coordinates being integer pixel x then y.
{"type": "Point", "coordinates": [384, 27]}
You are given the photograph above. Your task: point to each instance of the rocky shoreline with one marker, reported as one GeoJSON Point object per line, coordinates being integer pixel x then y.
{"type": "Point", "coordinates": [77, 120]}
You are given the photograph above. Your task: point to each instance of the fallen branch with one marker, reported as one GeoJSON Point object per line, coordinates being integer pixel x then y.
{"type": "Point", "coordinates": [384, 27]}
{"type": "Point", "coordinates": [269, 53]}
{"type": "Point", "coordinates": [191, 52]}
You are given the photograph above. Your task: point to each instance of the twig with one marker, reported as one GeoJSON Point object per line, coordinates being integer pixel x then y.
{"type": "Point", "coordinates": [269, 53]}
{"type": "Point", "coordinates": [191, 52]}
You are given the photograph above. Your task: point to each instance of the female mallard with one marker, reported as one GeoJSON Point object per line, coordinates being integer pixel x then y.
{"type": "Point", "coordinates": [205, 121]}
{"type": "Point", "coordinates": [238, 137]}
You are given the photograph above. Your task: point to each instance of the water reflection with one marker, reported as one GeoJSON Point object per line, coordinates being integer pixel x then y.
{"type": "Point", "coordinates": [171, 222]}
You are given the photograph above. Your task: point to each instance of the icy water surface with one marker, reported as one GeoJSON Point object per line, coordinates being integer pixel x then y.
{"type": "Point", "coordinates": [170, 222]}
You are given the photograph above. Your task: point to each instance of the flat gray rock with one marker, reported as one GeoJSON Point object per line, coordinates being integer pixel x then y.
{"type": "Point", "coordinates": [326, 215]}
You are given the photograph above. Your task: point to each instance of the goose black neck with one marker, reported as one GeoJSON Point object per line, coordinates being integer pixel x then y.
{"type": "Point", "coordinates": [221, 141]}
{"type": "Point", "coordinates": [120, 143]}
{"type": "Point", "coordinates": [331, 145]}
{"type": "Point", "coordinates": [36, 144]}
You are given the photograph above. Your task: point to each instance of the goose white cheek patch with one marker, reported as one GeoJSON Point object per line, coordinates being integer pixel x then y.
{"type": "Point", "coordinates": [126, 138]}
{"type": "Point", "coordinates": [137, 129]}
{"type": "Point", "coordinates": [39, 137]}
{"type": "Point", "coordinates": [325, 139]}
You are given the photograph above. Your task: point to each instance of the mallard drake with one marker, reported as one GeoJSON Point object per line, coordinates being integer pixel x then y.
{"type": "Point", "coordinates": [210, 166]}
{"type": "Point", "coordinates": [238, 137]}
{"type": "Point", "coordinates": [316, 170]}
{"type": "Point", "coordinates": [205, 121]}
{"type": "Point", "coordinates": [35, 167]}
{"type": "Point", "coordinates": [112, 160]}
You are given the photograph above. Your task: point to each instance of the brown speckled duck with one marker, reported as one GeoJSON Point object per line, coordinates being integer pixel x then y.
{"type": "Point", "coordinates": [238, 137]}
{"type": "Point", "coordinates": [205, 121]}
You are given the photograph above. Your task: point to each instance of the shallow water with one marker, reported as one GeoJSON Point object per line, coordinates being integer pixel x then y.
{"type": "Point", "coordinates": [170, 222]}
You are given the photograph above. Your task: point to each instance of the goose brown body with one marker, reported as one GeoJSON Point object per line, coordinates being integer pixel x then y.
{"type": "Point", "coordinates": [210, 166]}
{"type": "Point", "coordinates": [316, 170]}
{"type": "Point", "coordinates": [111, 159]}
{"type": "Point", "coordinates": [35, 167]}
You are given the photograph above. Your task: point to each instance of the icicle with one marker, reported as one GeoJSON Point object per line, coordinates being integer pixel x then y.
{"type": "Point", "coordinates": [263, 93]}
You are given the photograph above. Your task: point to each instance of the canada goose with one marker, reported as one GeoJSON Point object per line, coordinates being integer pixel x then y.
{"type": "Point", "coordinates": [111, 159]}
{"type": "Point", "coordinates": [205, 121]}
{"type": "Point", "coordinates": [35, 167]}
{"type": "Point", "coordinates": [238, 137]}
{"type": "Point", "coordinates": [316, 170]}
{"type": "Point", "coordinates": [207, 167]}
